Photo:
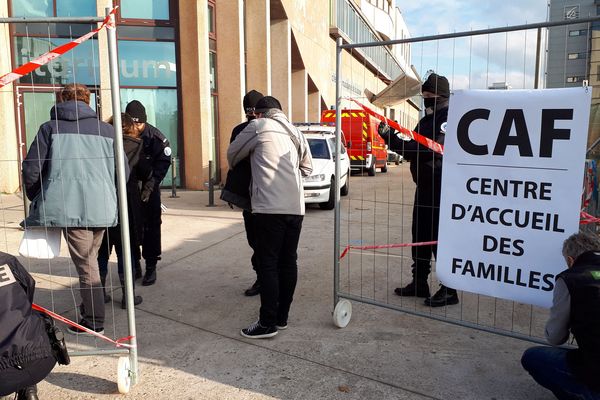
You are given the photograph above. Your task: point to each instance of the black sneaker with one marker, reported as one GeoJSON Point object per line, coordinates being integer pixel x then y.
{"type": "Point", "coordinates": [257, 331]}
{"type": "Point", "coordinates": [414, 289]}
{"type": "Point", "coordinates": [443, 297]}
{"type": "Point", "coordinates": [253, 290]}
{"type": "Point", "coordinates": [281, 325]}
{"type": "Point", "coordinates": [76, 331]}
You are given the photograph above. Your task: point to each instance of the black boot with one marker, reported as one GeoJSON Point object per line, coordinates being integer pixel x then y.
{"type": "Point", "coordinates": [443, 297]}
{"type": "Point", "coordinates": [137, 300]}
{"type": "Point", "coordinates": [29, 393]}
{"type": "Point", "coordinates": [253, 290]}
{"type": "Point", "coordinates": [107, 297]}
{"type": "Point", "coordinates": [414, 289]}
{"type": "Point", "coordinates": [150, 277]}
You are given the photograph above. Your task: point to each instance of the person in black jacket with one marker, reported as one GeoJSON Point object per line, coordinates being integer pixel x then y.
{"type": "Point", "coordinates": [572, 373]}
{"type": "Point", "coordinates": [426, 171]}
{"type": "Point", "coordinates": [26, 355]}
{"type": "Point", "coordinates": [237, 185]}
{"type": "Point", "coordinates": [140, 174]}
{"type": "Point", "coordinates": [157, 152]}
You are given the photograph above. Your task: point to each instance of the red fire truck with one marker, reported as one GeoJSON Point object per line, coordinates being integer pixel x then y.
{"type": "Point", "coordinates": [366, 147]}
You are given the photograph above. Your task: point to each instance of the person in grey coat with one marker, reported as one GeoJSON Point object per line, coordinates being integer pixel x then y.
{"type": "Point", "coordinates": [69, 176]}
{"type": "Point", "coordinates": [279, 158]}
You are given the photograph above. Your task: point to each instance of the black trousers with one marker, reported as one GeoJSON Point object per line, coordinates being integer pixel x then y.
{"type": "Point", "coordinates": [250, 235]}
{"type": "Point", "coordinates": [152, 220]}
{"type": "Point", "coordinates": [14, 379]}
{"type": "Point", "coordinates": [277, 237]}
{"type": "Point", "coordinates": [425, 225]}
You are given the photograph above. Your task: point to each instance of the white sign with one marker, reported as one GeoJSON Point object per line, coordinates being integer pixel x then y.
{"type": "Point", "coordinates": [511, 190]}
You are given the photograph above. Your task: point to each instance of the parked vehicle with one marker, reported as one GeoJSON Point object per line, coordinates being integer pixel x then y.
{"type": "Point", "coordinates": [394, 158]}
{"type": "Point", "coordinates": [319, 187]}
{"type": "Point", "coordinates": [366, 147]}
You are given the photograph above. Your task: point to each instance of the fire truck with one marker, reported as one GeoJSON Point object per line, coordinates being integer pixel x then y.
{"type": "Point", "coordinates": [366, 148]}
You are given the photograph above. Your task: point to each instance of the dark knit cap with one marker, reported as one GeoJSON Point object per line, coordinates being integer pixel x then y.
{"type": "Point", "coordinates": [437, 84]}
{"type": "Point", "coordinates": [250, 100]}
{"type": "Point", "coordinates": [136, 111]}
{"type": "Point", "coordinates": [266, 103]}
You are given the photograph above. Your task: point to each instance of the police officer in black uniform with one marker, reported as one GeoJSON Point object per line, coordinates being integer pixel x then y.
{"type": "Point", "coordinates": [26, 350]}
{"type": "Point", "coordinates": [426, 171]}
{"type": "Point", "coordinates": [157, 152]}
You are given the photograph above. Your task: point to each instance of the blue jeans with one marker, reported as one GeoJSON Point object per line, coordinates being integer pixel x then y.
{"type": "Point", "coordinates": [549, 367]}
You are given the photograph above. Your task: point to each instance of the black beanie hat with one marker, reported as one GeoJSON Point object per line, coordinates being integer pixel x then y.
{"type": "Point", "coordinates": [437, 84]}
{"type": "Point", "coordinates": [266, 103]}
{"type": "Point", "coordinates": [250, 100]}
{"type": "Point", "coordinates": [136, 111]}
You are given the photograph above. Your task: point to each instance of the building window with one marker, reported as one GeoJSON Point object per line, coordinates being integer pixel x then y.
{"type": "Point", "coordinates": [578, 32]}
{"type": "Point", "coordinates": [577, 56]}
{"type": "Point", "coordinates": [145, 9]}
{"type": "Point", "coordinates": [45, 8]}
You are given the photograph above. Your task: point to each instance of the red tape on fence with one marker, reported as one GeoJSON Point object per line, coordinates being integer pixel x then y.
{"type": "Point", "coordinates": [52, 54]}
{"type": "Point", "coordinates": [588, 219]}
{"type": "Point", "coordinates": [385, 246]}
{"type": "Point", "coordinates": [425, 141]}
{"type": "Point", "coordinates": [118, 342]}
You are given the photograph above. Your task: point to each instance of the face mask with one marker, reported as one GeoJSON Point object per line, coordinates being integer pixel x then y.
{"type": "Point", "coordinates": [430, 102]}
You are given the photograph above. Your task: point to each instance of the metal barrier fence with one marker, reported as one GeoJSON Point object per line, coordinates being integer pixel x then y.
{"type": "Point", "coordinates": [56, 279]}
{"type": "Point", "coordinates": [378, 210]}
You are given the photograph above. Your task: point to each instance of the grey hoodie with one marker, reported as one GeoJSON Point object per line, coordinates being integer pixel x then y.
{"type": "Point", "coordinates": [278, 163]}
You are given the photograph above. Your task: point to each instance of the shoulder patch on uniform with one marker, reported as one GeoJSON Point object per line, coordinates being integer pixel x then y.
{"type": "Point", "coordinates": [595, 275]}
{"type": "Point", "coordinates": [6, 275]}
{"type": "Point", "coordinates": [167, 151]}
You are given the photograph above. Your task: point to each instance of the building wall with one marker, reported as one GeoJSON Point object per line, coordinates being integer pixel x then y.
{"type": "Point", "coordinates": [9, 156]}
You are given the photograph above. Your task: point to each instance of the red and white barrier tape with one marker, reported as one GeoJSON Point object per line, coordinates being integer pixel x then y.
{"type": "Point", "coordinates": [118, 342]}
{"type": "Point", "coordinates": [425, 141]}
{"type": "Point", "coordinates": [51, 55]}
{"type": "Point", "coordinates": [585, 219]}
{"type": "Point", "coordinates": [384, 246]}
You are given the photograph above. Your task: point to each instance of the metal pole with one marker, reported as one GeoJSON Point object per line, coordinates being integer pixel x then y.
{"type": "Point", "coordinates": [338, 122]}
{"type": "Point", "coordinates": [538, 57]}
{"type": "Point", "coordinates": [174, 178]}
{"type": "Point", "coordinates": [122, 190]}
{"type": "Point", "coordinates": [211, 185]}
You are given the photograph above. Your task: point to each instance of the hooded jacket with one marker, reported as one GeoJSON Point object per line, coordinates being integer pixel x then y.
{"type": "Point", "coordinates": [23, 334]}
{"type": "Point", "coordinates": [69, 171]}
{"type": "Point", "coordinates": [279, 158]}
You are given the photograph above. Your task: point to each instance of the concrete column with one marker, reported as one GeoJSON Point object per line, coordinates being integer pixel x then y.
{"type": "Point", "coordinates": [314, 106]}
{"type": "Point", "coordinates": [195, 87]}
{"type": "Point", "coordinates": [281, 61]}
{"type": "Point", "coordinates": [105, 98]}
{"type": "Point", "coordinates": [9, 146]}
{"type": "Point", "coordinates": [230, 72]}
{"type": "Point", "coordinates": [299, 96]}
{"type": "Point", "coordinates": [258, 51]}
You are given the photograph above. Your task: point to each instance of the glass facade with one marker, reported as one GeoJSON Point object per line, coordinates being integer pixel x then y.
{"type": "Point", "coordinates": [145, 63]}
{"type": "Point", "coordinates": [45, 8]}
{"type": "Point", "coordinates": [79, 65]}
{"type": "Point", "coordinates": [145, 9]}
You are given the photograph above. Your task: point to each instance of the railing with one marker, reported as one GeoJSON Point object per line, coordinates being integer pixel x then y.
{"type": "Point", "coordinates": [348, 20]}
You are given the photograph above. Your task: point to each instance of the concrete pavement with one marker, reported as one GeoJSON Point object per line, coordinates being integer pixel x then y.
{"type": "Point", "coordinates": [188, 327]}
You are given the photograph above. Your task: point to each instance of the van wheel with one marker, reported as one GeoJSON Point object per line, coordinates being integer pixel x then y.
{"type": "Point", "coordinates": [384, 168]}
{"type": "Point", "coordinates": [346, 188]}
{"type": "Point", "coordinates": [329, 204]}
{"type": "Point", "coordinates": [371, 170]}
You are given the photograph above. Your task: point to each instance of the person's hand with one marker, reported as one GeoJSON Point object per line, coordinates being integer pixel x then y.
{"type": "Point", "coordinates": [147, 190]}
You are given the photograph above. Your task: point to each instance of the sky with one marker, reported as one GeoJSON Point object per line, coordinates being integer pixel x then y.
{"type": "Point", "coordinates": [480, 61]}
